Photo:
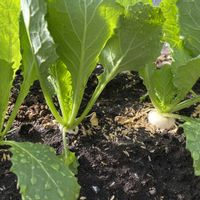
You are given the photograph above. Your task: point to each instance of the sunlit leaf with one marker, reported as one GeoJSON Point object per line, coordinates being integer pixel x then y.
{"type": "Point", "coordinates": [131, 48]}
{"type": "Point", "coordinates": [9, 32]}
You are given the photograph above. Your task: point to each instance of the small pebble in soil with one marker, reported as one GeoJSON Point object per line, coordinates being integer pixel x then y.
{"type": "Point", "coordinates": [180, 197]}
{"type": "Point", "coordinates": [152, 191]}
{"type": "Point", "coordinates": [112, 198]}
{"type": "Point", "coordinates": [83, 198]}
{"type": "Point", "coordinates": [112, 184]}
{"type": "Point", "coordinates": [95, 188]}
{"type": "Point", "coordinates": [136, 176]}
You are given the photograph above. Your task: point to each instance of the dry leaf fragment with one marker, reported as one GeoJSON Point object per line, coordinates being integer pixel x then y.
{"type": "Point", "coordinates": [94, 120]}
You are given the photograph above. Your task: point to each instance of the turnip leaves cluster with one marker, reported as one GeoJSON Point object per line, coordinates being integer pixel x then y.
{"type": "Point", "coordinates": [170, 86]}
{"type": "Point", "coordinates": [59, 43]}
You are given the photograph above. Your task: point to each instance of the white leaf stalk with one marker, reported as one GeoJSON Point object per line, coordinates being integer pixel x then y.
{"type": "Point", "coordinates": [160, 121]}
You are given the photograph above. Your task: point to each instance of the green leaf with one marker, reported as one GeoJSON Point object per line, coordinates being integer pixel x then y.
{"type": "Point", "coordinates": [42, 44]}
{"type": "Point", "coordinates": [162, 82]}
{"type": "Point", "coordinates": [135, 43]}
{"type": "Point", "coordinates": [28, 58]}
{"type": "Point", "coordinates": [41, 174]}
{"type": "Point", "coordinates": [192, 133]}
{"type": "Point", "coordinates": [171, 27]}
{"type": "Point", "coordinates": [29, 74]}
{"type": "Point", "coordinates": [41, 53]}
{"type": "Point", "coordinates": [81, 30]}
{"type": "Point", "coordinates": [6, 79]}
{"type": "Point", "coordinates": [190, 25]}
{"type": "Point", "coordinates": [185, 76]}
{"type": "Point", "coordinates": [9, 52]}
{"type": "Point", "coordinates": [159, 83]}
{"type": "Point", "coordinates": [61, 80]}
{"type": "Point", "coordinates": [29, 69]}
{"type": "Point", "coordinates": [171, 31]}
{"type": "Point", "coordinates": [9, 32]}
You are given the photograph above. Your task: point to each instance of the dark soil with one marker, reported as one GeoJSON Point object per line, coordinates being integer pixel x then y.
{"type": "Point", "coordinates": [116, 162]}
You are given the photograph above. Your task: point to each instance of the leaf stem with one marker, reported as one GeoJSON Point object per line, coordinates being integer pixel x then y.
{"type": "Point", "coordinates": [65, 142]}
{"type": "Point", "coordinates": [48, 98]}
{"type": "Point", "coordinates": [23, 92]}
{"type": "Point", "coordinates": [185, 104]}
{"type": "Point", "coordinates": [93, 99]}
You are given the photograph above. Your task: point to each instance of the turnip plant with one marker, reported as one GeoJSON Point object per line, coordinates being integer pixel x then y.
{"type": "Point", "coordinates": [87, 33]}
{"type": "Point", "coordinates": [60, 42]}
{"type": "Point", "coordinates": [41, 174]}
{"type": "Point", "coordinates": [170, 84]}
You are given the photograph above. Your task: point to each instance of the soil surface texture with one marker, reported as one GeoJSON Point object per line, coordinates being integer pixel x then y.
{"type": "Point", "coordinates": [120, 156]}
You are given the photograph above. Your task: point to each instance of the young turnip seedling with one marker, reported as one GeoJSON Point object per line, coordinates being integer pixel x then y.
{"type": "Point", "coordinates": [170, 80]}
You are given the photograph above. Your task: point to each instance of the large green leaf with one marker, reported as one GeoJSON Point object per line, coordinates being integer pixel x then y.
{"type": "Point", "coordinates": [135, 43]}
{"type": "Point", "coordinates": [9, 52]}
{"type": "Point", "coordinates": [42, 44]}
{"type": "Point", "coordinates": [9, 32]}
{"type": "Point", "coordinates": [29, 74]}
{"type": "Point", "coordinates": [192, 133]}
{"type": "Point", "coordinates": [190, 25]}
{"type": "Point", "coordinates": [41, 174]}
{"type": "Point", "coordinates": [40, 48]}
{"type": "Point", "coordinates": [28, 57]}
{"type": "Point", "coordinates": [81, 29]}
{"type": "Point", "coordinates": [6, 78]}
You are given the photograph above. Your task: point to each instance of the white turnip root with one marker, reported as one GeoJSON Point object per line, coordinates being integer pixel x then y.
{"type": "Point", "coordinates": [159, 121]}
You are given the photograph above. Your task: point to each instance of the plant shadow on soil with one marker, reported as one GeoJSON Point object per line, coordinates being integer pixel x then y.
{"type": "Point", "coordinates": [116, 162]}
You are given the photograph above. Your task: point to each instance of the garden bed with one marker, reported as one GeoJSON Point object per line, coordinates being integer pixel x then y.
{"type": "Point", "coordinates": [118, 161]}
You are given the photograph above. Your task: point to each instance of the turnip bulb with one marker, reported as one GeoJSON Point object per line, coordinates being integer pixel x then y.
{"type": "Point", "coordinates": [157, 119]}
